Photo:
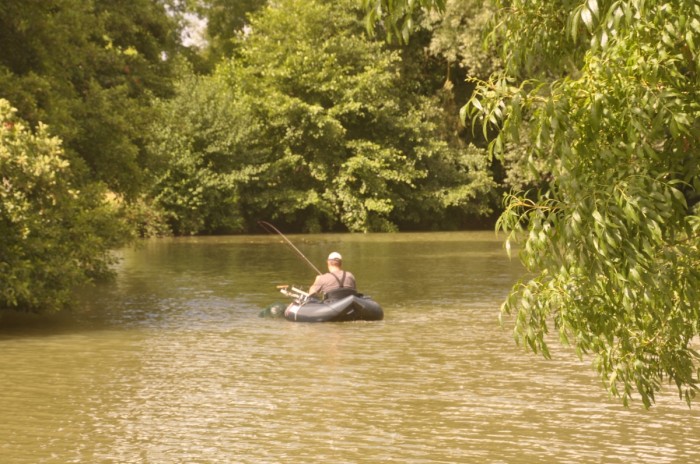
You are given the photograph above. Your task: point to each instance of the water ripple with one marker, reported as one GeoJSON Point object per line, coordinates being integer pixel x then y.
{"type": "Point", "coordinates": [178, 368]}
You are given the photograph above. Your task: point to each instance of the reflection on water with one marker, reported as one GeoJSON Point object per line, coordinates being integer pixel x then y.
{"type": "Point", "coordinates": [170, 364]}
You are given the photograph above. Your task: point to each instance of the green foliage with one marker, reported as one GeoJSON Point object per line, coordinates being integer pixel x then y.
{"type": "Point", "coordinates": [613, 241]}
{"type": "Point", "coordinates": [205, 140]}
{"type": "Point", "coordinates": [457, 34]}
{"type": "Point", "coordinates": [339, 140]}
{"type": "Point", "coordinates": [89, 69]}
{"type": "Point", "coordinates": [226, 19]}
{"type": "Point", "coordinates": [147, 217]}
{"type": "Point", "coordinates": [54, 236]}
{"type": "Point", "coordinates": [602, 98]}
{"type": "Point", "coordinates": [398, 18]}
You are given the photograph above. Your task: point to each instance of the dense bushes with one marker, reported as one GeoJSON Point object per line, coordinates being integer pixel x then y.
{"type": "Point", "coordinates": [54, 236]}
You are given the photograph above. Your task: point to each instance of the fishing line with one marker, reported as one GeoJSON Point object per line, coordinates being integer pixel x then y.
{"type": "Point", "coordinates": [267, 226]}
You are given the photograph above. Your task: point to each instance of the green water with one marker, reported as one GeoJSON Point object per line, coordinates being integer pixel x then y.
{"type": "Point", "coordinates": [170, 364]}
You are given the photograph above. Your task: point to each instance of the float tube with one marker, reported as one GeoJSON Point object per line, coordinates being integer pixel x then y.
{"type": "Point", "coordinates": [341, 305]}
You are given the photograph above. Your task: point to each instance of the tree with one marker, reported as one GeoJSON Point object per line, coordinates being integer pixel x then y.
{"type": "Point", "coordinates": [206, 140]}
{"type": "Point", "coordinates": [457, 34]}
{"type": "Point", "coordinates": [54, 236]}
{"type": "Point", "coordinates": [609, 92]}
{"type": "Point", "coordinates": [344, 143]}
{"type": "Point", "coordinates": [89, 70]}
{"type": "Point", "coordinates": [225, 20]}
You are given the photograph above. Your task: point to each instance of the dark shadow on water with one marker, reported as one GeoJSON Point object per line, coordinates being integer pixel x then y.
{"type": "Point", "coordinates": [19, 324]}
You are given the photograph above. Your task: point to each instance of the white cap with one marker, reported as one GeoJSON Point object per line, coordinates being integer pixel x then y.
{"type": "Point", "coordinates": [335, 255]}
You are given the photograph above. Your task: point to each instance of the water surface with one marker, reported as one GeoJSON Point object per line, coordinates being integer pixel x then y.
{"type": "Point", "coordinates": [171, 364]}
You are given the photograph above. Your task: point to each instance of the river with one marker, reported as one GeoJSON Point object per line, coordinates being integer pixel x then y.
{"type": "Point", "coordinates": [170, 363]}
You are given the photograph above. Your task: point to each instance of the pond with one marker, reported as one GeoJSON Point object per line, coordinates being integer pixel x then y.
{"type": "Point", "coordinates": [170, 363]}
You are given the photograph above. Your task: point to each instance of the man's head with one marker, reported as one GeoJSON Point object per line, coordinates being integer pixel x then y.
{"type": "Point", "coordinates": [335, 260]}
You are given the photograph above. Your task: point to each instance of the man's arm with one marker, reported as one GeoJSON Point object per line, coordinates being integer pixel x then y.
{"type": "Point", "coordinates": [317, 285]}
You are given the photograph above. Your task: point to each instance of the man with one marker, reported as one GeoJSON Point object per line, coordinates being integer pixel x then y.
{"type": "Point", "coordinates": [336, 283]}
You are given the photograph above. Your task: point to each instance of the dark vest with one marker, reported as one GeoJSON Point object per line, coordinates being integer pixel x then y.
{"type": "Point", "coordinates": [342, 292]}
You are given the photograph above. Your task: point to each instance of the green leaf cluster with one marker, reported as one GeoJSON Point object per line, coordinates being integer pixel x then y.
{"type": "Point", "coordinates": [609, 109]}
{"type": "Point", "coordinates": [54, 236]}
{"type": "Point", "coordinates": [458, 33]}
{"type": "Point", "coordinates": [89, 69]}
{"type": "Point", "coordinates": [396, 19]}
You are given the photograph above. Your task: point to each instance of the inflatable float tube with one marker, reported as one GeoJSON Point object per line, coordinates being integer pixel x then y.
{"type": "Point", "coordinates": [340, 305]}
{"type": "Point", "coordinates": [350, 308]}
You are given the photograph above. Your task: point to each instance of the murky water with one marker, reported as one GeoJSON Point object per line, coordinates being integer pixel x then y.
{"type": "Point", "coordinates": [171, 364]}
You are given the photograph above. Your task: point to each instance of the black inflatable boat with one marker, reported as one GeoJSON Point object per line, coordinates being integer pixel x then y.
{"type": "Point", "coordinates": [347, 305]}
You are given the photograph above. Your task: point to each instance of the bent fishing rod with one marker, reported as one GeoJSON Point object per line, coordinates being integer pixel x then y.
{"type": "Point", "coordinates": [269, 227]}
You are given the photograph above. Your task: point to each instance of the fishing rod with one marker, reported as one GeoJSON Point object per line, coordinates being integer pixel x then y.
{"type": "Point", "coordinates": [267, 226]}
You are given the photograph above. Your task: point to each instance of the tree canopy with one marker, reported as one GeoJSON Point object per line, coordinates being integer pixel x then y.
{"type": "Point", "coordinates": [89, 69]}
{"type": "Point", "coordinates": [604, 97]}
{"type": "Point", "coordinates": [77, 82]}
{"type": "Point", "coordinates": [333, 134]}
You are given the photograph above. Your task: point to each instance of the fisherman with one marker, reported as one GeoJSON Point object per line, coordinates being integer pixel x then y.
{"type": "Point", "coordinates": [337, 283]}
